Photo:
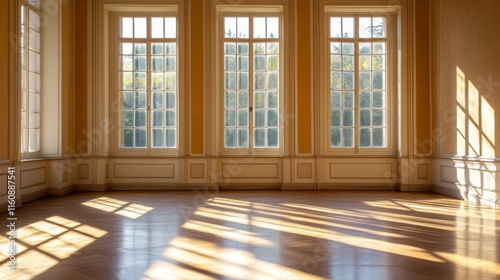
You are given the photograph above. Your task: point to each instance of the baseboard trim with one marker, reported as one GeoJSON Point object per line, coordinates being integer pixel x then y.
{"type": "Point", "coordinates": [416, 188]}
{"type": "Point", "coordinates": [62, 191]}
{"type": "Point", "coordinates": [163, 187]}
{"type": "Point", "coordinates": [298, 187]}
{"type": "Point", "coordinates": [469, 196]}
{"type": "Point", "coordinates": [356, 187]}
{"type": "Point", "coordinates": [34, 196]}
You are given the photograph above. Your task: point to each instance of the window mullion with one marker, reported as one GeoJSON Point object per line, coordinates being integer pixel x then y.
{"type": "Point", "coordinates": [356, 84]}
{"type": "Point", "coordinates": [149, 124]}
{"type": "Point", "coordinates": [250, 86]}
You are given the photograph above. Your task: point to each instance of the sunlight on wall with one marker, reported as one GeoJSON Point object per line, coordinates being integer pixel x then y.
{"type": "Point", "coordinates": [43, 244]}
{"type": "Point", "coordinates": [123, 208]}
{"type": "Point", "coordinates": [475, 119]}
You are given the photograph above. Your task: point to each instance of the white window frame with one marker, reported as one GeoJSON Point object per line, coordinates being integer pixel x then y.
{"type": "Point", "coordinates": [114, 43]}
{"type": "Point", "coordinates": [250, 11]}
{"type": "Point", "coordinates": [392, 80]}
{"type": "Point", "coordinates": [25, 84]}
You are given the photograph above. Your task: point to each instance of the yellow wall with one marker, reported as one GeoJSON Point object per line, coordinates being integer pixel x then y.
{"type": "Point", "coordinates": [469, 76]}
{"type": "Point", "coordinates": [196, 68]}
{"type": "Point", "coordinates": [81, 89]}
{"type": "Point", "coordinates": [422, 75]}
{"type": "Point", "coordinates": [304, 82]}
{"type": "Point", "coordinates": [4, 80]}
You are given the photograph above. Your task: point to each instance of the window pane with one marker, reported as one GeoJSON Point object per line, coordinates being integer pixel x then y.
{"type": "Point", "coordinates": [242, 137]}
{"type": "Point", "coordinates": [230, 80]}
{"type": "Point", "coordinates": [272, 118]}
{"type": "Point", "coordinates": [243, 48]}
{"type": "Point", "coordinates": [259, 138]}
{"type": "Point", "coordinates": [347, 118]}
{"type": "Point", "coordinates": [259, 99]}
{"type": "Point", "coordinates": [259, 27]}
{"type": "Point", "coordinates": [365, 27]}
{"type": "Point", "coordinates": [335, 137]}
{"type": "Point", "coordinates": [378, 137]}
{"type": "Point", "coordinates": [348, 100]}
{"type": "Point", "coordinates": [158, 100]}
{"type": "Point", "coordinates": [230, 138]}
{"type": "Point", "coordinates": [140, 118]}
{"type": "Point", "coordinates": [171, 49]}
{"type": "Point", "coordinates": [260, 118]}
{"type": "Point", "coordinates": [348, 81]}
{"type": "Point", "coordinates": [170, 27]}
{"type": "Point", "coordinates": [260, 81]}
{"type": "Point", "coordinates": [171, 137]}
{"type": "Point", "coordinates": [273, 48]}
{"type": "Point", "coordinates": [365, 62]}
{"type": "Point", "coordinates": [140, 49]}
{"type": "Point", "coordinates": [347, 134]}
{"type": "Point", "coordinates": [364, 137]}
{"type": "Point", "coordinates": [335, 99]}
{"type": "Point", "coordinates": [157, 138]}
{"type": "Point", "coordinates": [365, 80]}
{"type": "Point", "coordinates": [272, 101]}
{"type": "Point", "coordinates": [170, 63]}
{"type": "Point", "coordinates": [378, 80]}
{"type": "Point", "coordinates": [126, 63]}
{"type": "Point", "coordinates": [335, 81]}
{"type": "Point", "coordinates": [170, 118]}
{"type": "Point", "coordinates": [347, 27]}
{"type": "Point", "coordinates": [128, 100]}
{"type": "Point", "coordinates": [335, 27]}
{"type": "Point", "coordinates": [230, 27]}
{"type": "Point", "coordinates": [272, 62]}
{"type": "Point", "coordinates": [171, 97]}
{"type": "Point", "coordinates": [378, 99]}
{"type": "Point", "coordinates": [335, 117]}
{"type": "Point", "coordinates": [242, 27]}
{"type": "Point", "coordinates": [170, 81]}
{"type": "Point", "coordinates": [128, 138]}
{"type": "Point", "coordinates": [140, 138]}
{"type": "Point", "coordinates": [243, 80]}
{"type": "Point", "coordinates": [379, 27]}
{"type": "Point", "coordinates": [230, 118]}
{"type": "Point", "coordinates": [128, 118]}
{"type": "Point", "coordinates": [273, 27]}
{"type": "Point", "coordinates": [229, 48]}
{"type": "Point", "coordinates": [140, 28]}
{"type": "Point", "coordinates": [260, 62]}
{"type": "Point", "coordinates": [364, 99]}
{"type": "Point", "coordinates": [126, 48]}
{"type": "Point", "coordinates": [272, 80]}
{"type": "Point", "coordinates": [243, 99]}
{"type": "Point", "coordinates": [364, 118]}
{"type": "Point", "coordinates": [157, 118]}
{"type": "Point", "coordinates": [347, 48]}
{"type": "Point", "coordinates": [378, 117]}
{"type": "Point", "coordinates": [157, 81]}
{"type": "Point", "coordinates": [242, 117]}
{"type": "Point", "coordinates": [348, 63]}
{"type": "Point", "coordinates": [335, 48]}
{"type": "Point", "coordinates": [157, 49]}
{"type": "Point", "coordinates": [230, 99]}
{"type": "Point", "coordinates": [243, 63]}
{"type": "Point", "coordinates": [365, 48]}
{"type": "Point", "coordinates": [140, 99]}
{"type": "Point", "coordinates": [272, 137]}
{"type": "Point", "coordinates": [157, 28]}
{"type": "Point", "coordinates": [336, 62]}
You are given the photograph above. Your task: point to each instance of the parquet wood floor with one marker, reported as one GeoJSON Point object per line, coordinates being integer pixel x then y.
{"type": "Point", "coordinates": [254, 235]}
